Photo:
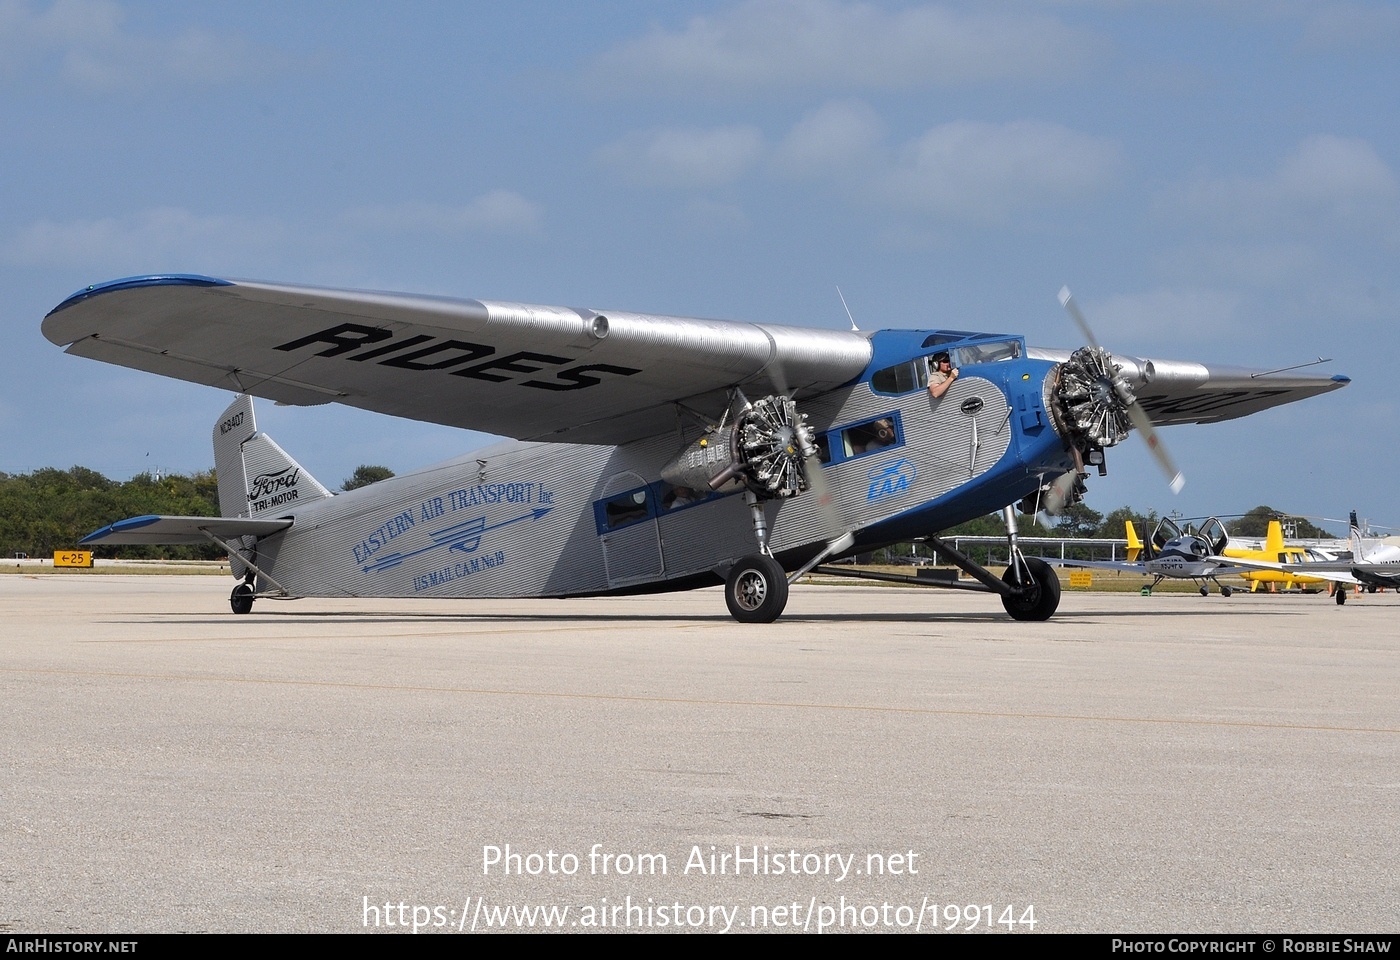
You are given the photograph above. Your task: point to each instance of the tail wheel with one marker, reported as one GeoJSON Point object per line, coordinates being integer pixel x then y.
{"type": "Point", "coordinates": [756, 589]}
{"type": "Point", "coordinates": [241, 600]}
{"type": "Point", "coordinates": [1038, 599]}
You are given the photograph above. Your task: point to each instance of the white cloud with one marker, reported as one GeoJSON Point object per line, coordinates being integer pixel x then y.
{"type": "Point", "coordinates": [985, 172]}
{"type": "Point", "coordinates": [1168, 313]}
{"type": "Point", "coordinates": [837, 138]}
{"type": "Point", "coordinates": [1265, 265]}
{"type": "Point", "coordinates": [500, 211]}
{"type": "Point", "coordinates": [972, 172]}
{"type": "Point", "coordinates": [161, 238]}
{"type": "Point", "coordinates": [824, 44]}
{"type": "Point", "coordinates": [1325, 182]}
{"type": "Point", "coordinates": [93, 51]}
{"type": "Point", "coordinates": [685, 156]}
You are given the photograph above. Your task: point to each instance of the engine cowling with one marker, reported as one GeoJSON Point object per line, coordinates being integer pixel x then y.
{"type": "Point", "coordinates": [765, 449]}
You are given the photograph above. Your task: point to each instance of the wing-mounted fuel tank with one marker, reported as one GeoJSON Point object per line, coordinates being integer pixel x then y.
{"type": "Point", "coordinates": [765, 449]}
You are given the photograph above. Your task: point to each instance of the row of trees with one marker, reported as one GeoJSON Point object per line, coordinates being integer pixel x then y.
{"type": "Point", "coordinates": [50, 510]}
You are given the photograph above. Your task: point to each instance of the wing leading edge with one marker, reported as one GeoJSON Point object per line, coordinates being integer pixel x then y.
{"type": "Point", "coordinates": [152, 530]}
{"type": "Point", "coordinates": [1178, 391]}
{"type": "Point", "coordinates": [525, 371]}
{"type": "Point", "coordinates": [518, 370]}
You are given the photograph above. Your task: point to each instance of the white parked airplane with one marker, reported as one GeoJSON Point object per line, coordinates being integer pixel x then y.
{"type": "Point", "coordinates": [1372, 567]}
{"type": "Point", "coordinates": [651, 453]}
{"type": "Point", "coordinates": [1172, 554]}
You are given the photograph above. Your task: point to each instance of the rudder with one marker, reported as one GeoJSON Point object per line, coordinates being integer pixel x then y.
{"type": "Point", "coordinates": [256, 475]}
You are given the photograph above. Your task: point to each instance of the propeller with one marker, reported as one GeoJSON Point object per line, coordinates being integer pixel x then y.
{"type": "Point", "coordinates": [1107, 379]}
{"type": "Point", "coordinates": [839, 535]}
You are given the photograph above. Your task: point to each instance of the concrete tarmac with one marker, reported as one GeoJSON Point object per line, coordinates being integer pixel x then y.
{"type": "Point", "coordinates": [880, 759]}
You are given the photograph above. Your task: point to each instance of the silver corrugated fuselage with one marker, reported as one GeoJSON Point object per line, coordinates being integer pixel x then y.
{"type": "Point", "coordinates": [519, 519]}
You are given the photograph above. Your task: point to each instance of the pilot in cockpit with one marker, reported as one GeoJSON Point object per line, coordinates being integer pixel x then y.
{"type": "Point", "coordinates": [941, 377]}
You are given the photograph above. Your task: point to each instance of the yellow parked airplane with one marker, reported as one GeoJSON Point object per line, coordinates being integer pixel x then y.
{"type": "Point", "coordinates": [1276, 551]}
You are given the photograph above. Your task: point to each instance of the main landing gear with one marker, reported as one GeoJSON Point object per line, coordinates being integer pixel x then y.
{"type": "Point", "coordinates": [241, 600]}
{"type": "Point", "coordinates": [1029, 589]}
{"type": "Point", "coordinates": [756, 589]}
{"type": "Point", "coordinates": [1037, 593]}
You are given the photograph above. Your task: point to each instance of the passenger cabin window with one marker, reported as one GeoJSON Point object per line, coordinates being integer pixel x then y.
{"type": "Point", "coordinates": [869, 437]}
{"type": "Point", "coordinates": [678, 498]}
{"type": "Point", "coordinates": [623, 509]}
{"type": "Point", "coordinates": [858, 439]}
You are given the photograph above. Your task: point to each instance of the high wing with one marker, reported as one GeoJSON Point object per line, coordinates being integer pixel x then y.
{"type": "Point", "coordinates": [522, 371]}
{"type": "Point", "coordinates": [163, 530]}
{"type": "Point", "coordinates": [518, 370]}
{"type": "Point", "coordinates": [1178, 391]}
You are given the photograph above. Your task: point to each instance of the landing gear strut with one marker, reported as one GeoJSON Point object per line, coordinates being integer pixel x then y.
{"type": "Point", "coordinates": [1029, 589]}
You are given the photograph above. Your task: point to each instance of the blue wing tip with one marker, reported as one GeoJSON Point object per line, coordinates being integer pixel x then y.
{"type": "Point", "coordinates": [119, 527]}
{"type": "Point", "coordinates": [131, 283]}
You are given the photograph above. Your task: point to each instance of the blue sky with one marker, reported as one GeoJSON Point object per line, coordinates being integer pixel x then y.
{"type": "Point", "coordinates": [1216, 181]}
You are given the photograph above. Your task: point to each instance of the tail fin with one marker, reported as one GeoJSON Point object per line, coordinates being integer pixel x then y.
{"type": "Point", "coordinates": [256, 476]}
{"type": "Point", "coordinates": [1273, 541]}
{"type": "Point", "coordinates": [1358, 549]}
{"type": "Point", "coordinates": [1134, 544]}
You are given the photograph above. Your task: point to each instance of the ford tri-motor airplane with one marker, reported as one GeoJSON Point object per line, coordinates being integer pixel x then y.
{"type": "Point", "coordinates": [651, 453]}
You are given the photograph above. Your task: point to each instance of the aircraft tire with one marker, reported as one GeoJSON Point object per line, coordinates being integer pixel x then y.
{"type": "Point", "coordinates": [1225, 591]}
{"type": "Point", "coordinates": [241, 600]}
{"type": "Point", "coordinates": [1041, 602]}
{"type": "Point", "coordinates": [1341, 594]}
{"type": "Point", "coordinates": [756, 589]}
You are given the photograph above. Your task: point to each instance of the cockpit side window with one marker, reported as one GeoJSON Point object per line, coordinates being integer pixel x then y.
{"type": "Point", "coordinates": [902, 377]}
{"type": "Point", "coordinates": [975, 353]}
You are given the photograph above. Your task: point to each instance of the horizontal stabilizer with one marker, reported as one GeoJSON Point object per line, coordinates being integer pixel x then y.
{"type": "Point", "coordinates": [173, 530]}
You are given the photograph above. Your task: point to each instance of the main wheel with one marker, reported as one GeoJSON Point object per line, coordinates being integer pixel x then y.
{"type": "Point", "coordinates": [241, 600]}
{"type": "Point", "coordinates": [1042, 596]}
{"type": "Point", "coordinates": [1224, 591]}
{"type": "Point", "coordinates": [756, 589]}
{"type": "Point", "coordinates": [1341, 594]}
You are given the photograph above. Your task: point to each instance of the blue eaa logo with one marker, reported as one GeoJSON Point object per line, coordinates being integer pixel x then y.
{"type": "Point", "coordinates": [890, 479]}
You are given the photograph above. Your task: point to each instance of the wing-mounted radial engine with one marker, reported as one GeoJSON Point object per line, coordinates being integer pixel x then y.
{"type": "Point", "coordinates": [765, 450]}
{"type": "Point", "coordinates": [1090, 399]}
{"type": "Point", "coordinates": [1093, 406]}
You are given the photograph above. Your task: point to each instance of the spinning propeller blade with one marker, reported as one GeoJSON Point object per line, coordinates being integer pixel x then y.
{"type": "Point", "coordinates": [1139, 417]}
